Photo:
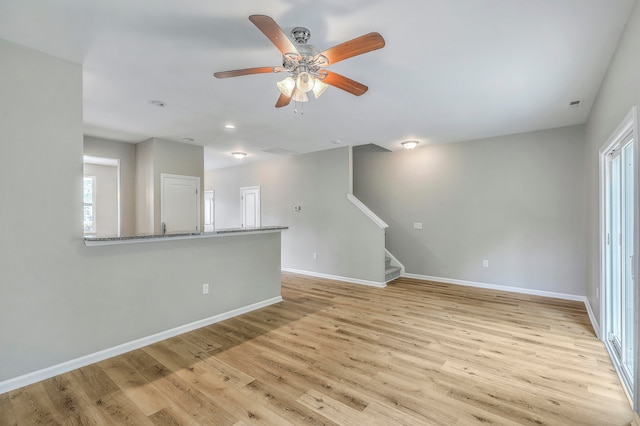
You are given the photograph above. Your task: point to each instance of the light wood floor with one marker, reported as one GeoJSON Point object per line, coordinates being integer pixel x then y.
{"type": "Point", "coordinates": [414, 353]}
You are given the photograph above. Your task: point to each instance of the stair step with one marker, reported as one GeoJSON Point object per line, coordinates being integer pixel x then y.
{"type": "Point", "coordinates": [391, 273]}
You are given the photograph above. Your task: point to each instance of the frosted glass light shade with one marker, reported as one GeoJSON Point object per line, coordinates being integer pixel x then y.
{"type": "Point", "coordinates": [319, 88]}
{"type": "Point", "coordinates": [305, 82]}
{"type": "Point", "coordinates": [286, 86]}
{"type": "Point", "coordinates": [410, 144]}
{"type": "Point", "coordinates": [299, 96]}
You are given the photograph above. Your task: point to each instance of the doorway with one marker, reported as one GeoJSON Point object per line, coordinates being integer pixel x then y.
{"type": "Point", "coordinates": [619, 205]}
{"type": "Point", "coordinates": [101, 196]}
{"type": "Point", "coordinates": [250, 199]}
{"type": "Point", "coordinates": [209, 211]}
{"type": "Point", "coordinates": [179, 203]}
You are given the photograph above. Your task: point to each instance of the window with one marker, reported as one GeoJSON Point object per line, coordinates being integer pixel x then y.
{"type": "Point", "coordinates": [89, 197]}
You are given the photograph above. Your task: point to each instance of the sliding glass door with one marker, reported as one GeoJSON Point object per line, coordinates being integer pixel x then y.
{"type": "Point", "coordinates": [620, 210]}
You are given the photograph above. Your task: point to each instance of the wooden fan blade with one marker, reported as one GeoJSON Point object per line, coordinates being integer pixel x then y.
{"type": "Point", "coordinates": [274, 33]}
{"type": "Point", "coordinates": [345, 83]}
{"type": "Point", "coordinates": [283, 101]}
{"type": "Point", "coordinates": [245, 71]}
{"type": "Point", "coordinates": [355, 47]}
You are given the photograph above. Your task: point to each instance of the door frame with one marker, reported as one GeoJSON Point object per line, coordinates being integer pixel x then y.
{"type": "Point", "coordinates": [258, 204]}
{"type": "Point", "coordinates": [213, 208]}
{"type": "Point", "coordinates": [627, 126]}
{"type": "Point", "coordinates": [196, 179]}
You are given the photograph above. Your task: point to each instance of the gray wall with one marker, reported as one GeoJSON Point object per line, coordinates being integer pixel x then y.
{"type": "Point", "coordinates": [126, 153]}
{"type": "Point", "coordinates": [145, 195]}
{"type": "Point", "coordinates": [620, 91]}
{"type": "Point", "coordinates": [154, 157]}
{"type": "Point", "coordinates": [106, 206]}
{"type": "Point", "coordinates": [517, 201]}
{"type": "Point", "coordinates": [178, 159]}
{"type": "Point", "coordinates": [347, 243]}
{"type": "Point", "coordinates": [60, 300]}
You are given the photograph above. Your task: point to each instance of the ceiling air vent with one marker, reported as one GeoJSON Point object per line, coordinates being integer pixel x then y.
{"type": "Point", "coordinates": [575, 104]}
{"type": "Point", "coordinates": [279, 151]}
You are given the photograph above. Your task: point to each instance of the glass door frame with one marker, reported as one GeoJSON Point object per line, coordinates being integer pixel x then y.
{"type": "Point", "coordinates": [627, 129]}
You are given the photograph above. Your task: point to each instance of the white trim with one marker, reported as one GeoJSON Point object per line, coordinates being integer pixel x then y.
{"type": "Point", "coordinates": [510, 289]}
{"type": "Point", "coordinates": [628, 126]}
{"type": "Point", "coordinates": [93, 204]}
{"type": "Point", "coordinates": [336, 277]}
{"type": "Point", "coordinates": [592, 318]}
{"type": "Point", "coordinates": [564, 296]}
{"type": "Point", "coordinates": [371, 215]}
{"type": "Point", "coordinates": [46, 373]}
{"type": "Point", "coordinates": [244, 189]}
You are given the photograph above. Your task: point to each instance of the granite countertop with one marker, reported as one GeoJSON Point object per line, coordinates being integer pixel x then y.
{"type": "Point", "coordinates": [95, 241]}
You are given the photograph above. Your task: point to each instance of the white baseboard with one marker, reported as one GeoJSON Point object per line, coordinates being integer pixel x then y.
{"type": "Point", "coordinates": [46, 373]}
{"type": "Point", "coordinates": [592, 318]}
{"type": "Point", "coordinates": [336, 278]}
{"type": "Point", "coordinates": [564, 296]}
{"type": "Point", "coordinates": [499, 287]}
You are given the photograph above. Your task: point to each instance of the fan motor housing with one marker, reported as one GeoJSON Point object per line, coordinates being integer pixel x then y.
{"type": "Point", "coordinates": [301, 35]}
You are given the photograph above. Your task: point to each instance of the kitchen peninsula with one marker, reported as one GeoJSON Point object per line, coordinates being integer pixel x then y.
{"type": "Point", "coordinates": [101, 241]}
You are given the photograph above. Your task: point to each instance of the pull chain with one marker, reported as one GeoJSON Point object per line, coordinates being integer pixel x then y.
{"type": "Point", "coordinates": [295, 109]}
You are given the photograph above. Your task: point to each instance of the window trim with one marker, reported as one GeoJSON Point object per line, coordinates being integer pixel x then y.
{"type": "Point", "coordinates": [92, 204]}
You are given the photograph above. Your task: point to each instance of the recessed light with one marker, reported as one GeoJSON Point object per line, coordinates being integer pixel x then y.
{"type": "Point", "coordinates": [410, 144]}
{"type": "Point", "coordinates": [229, 126]}
{"type": "Point", "coordinates": [239, 155]}
{"type": "Point", "coordinates": [188, 139]}
{"type": "Point", "coordinates": [160, 104]}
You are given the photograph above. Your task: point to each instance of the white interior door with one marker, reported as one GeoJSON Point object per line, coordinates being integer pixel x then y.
{"type": "Point", "coordinates": [250, 199]}
{"type": "Point", "coordinates": [179, 203]}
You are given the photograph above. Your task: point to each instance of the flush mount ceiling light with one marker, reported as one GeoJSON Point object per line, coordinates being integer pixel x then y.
{"type": "Point", "coordinates": [239, 155]}
{"type": "Point", "coordinates": [188, 139]}
{"type": "Point", "coordinates": [229, 126]}
{"type": "Point", "coordinates": [160, 104]}
{"type": "Point", "coordinates": [305, 64]}
{"type": "Point", "coordinates": [410, 144]}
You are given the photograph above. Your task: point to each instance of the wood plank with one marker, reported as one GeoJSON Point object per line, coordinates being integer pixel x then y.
{"type": "Point", "coordinates": [414, 353]}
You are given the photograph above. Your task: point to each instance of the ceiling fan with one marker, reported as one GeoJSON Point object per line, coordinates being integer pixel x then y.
{"type": "Point", "coordinates": [305, 65]}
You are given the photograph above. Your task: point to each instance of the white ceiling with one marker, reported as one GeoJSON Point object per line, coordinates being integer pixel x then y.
{"type": "Point", "coordinates": [451, 70]}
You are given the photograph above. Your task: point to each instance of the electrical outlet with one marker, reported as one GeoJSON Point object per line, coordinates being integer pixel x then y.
{"type": "Point", "coordinates": [417, 225]}
{"type": "Point", "coordinates": [205, 288]}
{"type": "Point", "coordinates": [315, 256]}
{"type": "Point", "coordinates": [485, 263]}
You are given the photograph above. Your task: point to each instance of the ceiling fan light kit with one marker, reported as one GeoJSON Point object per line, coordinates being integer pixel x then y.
{"type": "Point", "coordinates": [305, 64]}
